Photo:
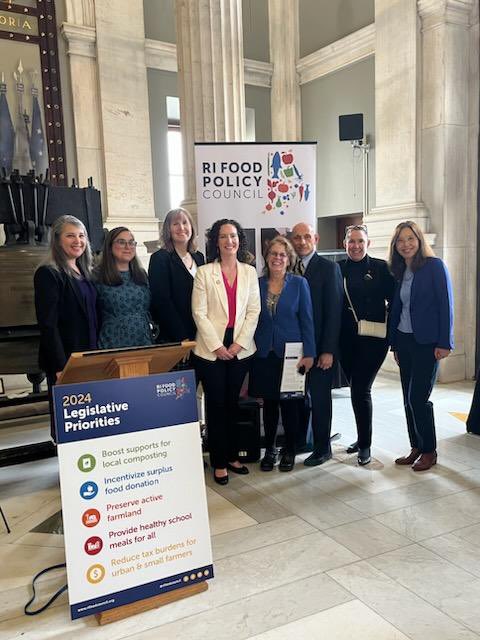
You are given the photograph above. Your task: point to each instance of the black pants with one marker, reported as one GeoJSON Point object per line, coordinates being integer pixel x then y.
{"type": "Point", "coordinates": [418, 370]}
{"type": "Point", "coordinates": [319, 384]}
{"type": "Point", "coordinates": [361, 357]}
{"type": "Point", "coordinates": [222, 381]}
{"type": "Point", "coordinates": [291, 411]}
{"type": "Point", "coordinates": [473, 420]}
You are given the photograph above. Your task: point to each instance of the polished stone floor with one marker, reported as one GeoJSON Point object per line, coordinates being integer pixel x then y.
{"type": "Point", "coordinates": [331, 552]}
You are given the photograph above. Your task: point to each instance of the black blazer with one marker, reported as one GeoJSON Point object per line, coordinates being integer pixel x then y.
{"type": "Point", "coordinates": [171, 287]}
{"type": "Point", "coordinates": [62, 318]}
{"type": "Point", "coordinates": [370, 286]}
{"type": "Point", "coordinates": [326, 288]}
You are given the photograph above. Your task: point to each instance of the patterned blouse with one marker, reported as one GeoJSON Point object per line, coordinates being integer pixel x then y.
{"type": "Point", "coordinates": [124, 313]}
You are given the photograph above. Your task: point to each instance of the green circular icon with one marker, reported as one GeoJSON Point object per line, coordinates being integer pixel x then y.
{"type": "Point", "coordinates": [86, 462]}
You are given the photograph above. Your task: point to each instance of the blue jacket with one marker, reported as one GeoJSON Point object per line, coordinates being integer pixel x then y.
{"type": "Point", "coordinates": [292, 322]}
{"type": "Point", "coordinates": [431, 306]}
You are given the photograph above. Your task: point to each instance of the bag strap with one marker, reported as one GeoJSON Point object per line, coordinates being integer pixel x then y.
{"type": "Point", "coordinates": [351, 307]}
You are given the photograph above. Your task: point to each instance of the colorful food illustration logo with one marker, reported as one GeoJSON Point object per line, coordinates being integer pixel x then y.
{"type": "Point", "coordinates": [182, 388]}
{"type": "Point", "coordinates": [285, 182]}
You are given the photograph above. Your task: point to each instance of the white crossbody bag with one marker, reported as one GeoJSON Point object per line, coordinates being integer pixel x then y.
{"type": "Point", "coordinates": [366, 327]}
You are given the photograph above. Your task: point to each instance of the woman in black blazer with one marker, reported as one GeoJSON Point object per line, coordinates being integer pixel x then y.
{"type": "Point", "coordinates": [171, 272]}
{"type": "Point", "coordinates": [65, 298]}
{"type": "Point", "coordinates": [370, 286]}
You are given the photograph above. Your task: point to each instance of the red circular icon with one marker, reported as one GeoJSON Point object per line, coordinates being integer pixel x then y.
{"type": "Point", "coordinates": [93, 545]}
{"type": "Point", "coordinates": [91, 517]}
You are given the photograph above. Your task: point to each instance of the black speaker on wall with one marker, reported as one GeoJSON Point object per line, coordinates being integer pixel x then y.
{"type": "Point", "coordinates": [351, 126]}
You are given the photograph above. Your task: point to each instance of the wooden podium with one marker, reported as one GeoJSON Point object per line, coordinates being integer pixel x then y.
{"type": "Point", "coordinates": [129, 363]}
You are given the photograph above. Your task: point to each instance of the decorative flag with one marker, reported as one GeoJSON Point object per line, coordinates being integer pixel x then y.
{"type": "Point", "coordinates": [7, 131]}
{"type": "Point", "coordinates": [37, 138]}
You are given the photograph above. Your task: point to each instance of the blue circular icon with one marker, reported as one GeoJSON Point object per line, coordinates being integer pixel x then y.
{"type": "Point", "coordinates": [88, 490]}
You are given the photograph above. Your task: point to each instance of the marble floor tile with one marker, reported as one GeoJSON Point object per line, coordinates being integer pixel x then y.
{"type": "Point", "coordinates": [436, 487]}
{"type": "Point", "coordinates": [224, 516]}
{"type": "Point", "coordinates": [247, 573]}
{"type": "Point", "coordinates": [367, 537]}
{"type": "Point", "coordinates": [456, 550]}
{"type": "Point", "coordinates": [436, 517]}
{"type": "Point", "coordinates": [256, 614]}
{"type": "Point", "coordinates": [470, 534]}
{"type": "Point", "coordinates": [257, 536]}
{"type": "Point", "coordinates": [416, 618]}
{"type": "Point", "coordinates": [447, 587]}
{"type": "Point", "coordinates": [344, 622]}
{"type": "Point", "coordinates": [34, 539]}
{"type": "Point", "coordinates": [308, 502]}
{"type": "Point", "coordinates": [257, 505]}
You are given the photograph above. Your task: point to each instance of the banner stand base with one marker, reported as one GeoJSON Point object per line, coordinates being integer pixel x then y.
{"type": "Point", "coordinates": [127, 610]}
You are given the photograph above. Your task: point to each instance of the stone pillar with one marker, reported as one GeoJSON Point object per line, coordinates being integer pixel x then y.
{"type": "Point", "coordinates": [210, 77]}
{"type": "Point", "coordinates": [122, 79]}
{"type": "Point", "coordinates": [284, 56]}
{"type": "Point", "coordinates": [397, 74]}
{"type": "Point", "coordinates": [79, 33]}
{"type": "Point", "coordinates": [449, 127]}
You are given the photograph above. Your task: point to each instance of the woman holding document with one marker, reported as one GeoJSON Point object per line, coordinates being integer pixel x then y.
{"type": "Point", "coordinates": [286, 317]}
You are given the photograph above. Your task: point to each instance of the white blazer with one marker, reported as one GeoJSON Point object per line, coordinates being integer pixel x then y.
{"type": "Point", "coordinates": [210, 309]}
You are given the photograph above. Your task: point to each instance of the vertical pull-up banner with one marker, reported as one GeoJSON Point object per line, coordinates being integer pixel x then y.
{"type": "Point", "coordinates": [266, 187]}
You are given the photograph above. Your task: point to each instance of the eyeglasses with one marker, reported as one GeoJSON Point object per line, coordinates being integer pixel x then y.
{"type": "Point", "coordinates": [276, 254]}
{"type": "Point", "coordinates": [125, 243]}
{"type": "Point", "coordinates": [356, 227]}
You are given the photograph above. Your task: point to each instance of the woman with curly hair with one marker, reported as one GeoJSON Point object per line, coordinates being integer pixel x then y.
{"type": "Point", "coordinates": [225, 307]}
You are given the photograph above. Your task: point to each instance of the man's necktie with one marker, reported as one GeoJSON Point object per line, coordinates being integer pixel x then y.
{"type": "Point", "coordinates": [299, 268]}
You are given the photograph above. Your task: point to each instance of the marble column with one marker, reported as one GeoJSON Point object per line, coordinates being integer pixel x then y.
{"type": "Point", "coordinates": [284, 56]}
{"type": "Point", "coordinates": [448, 171]}
{"type": "Point", "coordinates": [397, 136]}
{"type": "Point", "coordinates": [210, 77]}
{"type": "Point", "coordinates": [79, 33]}
{"type": "Point", "coordinates": [122, 79]}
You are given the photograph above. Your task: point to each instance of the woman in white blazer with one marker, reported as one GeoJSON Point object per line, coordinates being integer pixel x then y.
{"type": "Point", "coordinates": [225, 307]}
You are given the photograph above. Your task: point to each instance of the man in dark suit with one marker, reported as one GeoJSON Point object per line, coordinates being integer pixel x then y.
{"type": "Point", "coordinates": [325, 280]}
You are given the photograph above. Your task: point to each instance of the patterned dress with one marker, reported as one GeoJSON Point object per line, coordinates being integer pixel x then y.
{"type": "Point", "coordinates": [124, 313]}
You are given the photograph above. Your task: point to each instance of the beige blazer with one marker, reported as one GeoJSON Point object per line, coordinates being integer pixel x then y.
{"type": "Point", "coordinates": [210, 309]}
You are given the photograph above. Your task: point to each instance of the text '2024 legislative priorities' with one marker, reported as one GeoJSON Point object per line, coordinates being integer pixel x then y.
{"type": "Point", "coordinates": [133, 492]}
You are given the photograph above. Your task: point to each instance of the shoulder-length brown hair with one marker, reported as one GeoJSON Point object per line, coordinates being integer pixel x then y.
{"type": "Point", "coordinates": [167, 242]}
{"type": "Point", "coordinates": [395, 260]}
{"type": "Point", "coordinates": [289, 250]}
{"type": "Point", "coordinates": [107, 272]}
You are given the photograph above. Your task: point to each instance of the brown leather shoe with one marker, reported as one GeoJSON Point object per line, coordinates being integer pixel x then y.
{"type": "Point", "coordinates": [410, 459]}
{"type": "Point", "coordinates": [425, 461]}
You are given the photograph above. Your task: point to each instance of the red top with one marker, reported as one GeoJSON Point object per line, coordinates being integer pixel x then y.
{"type": "Point", "coordinates": [232, 300]}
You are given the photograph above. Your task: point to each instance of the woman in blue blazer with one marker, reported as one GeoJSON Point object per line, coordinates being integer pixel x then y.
{"type": "Point", "coordinates": [286, 316]}
{"type": "Point", "coordinates": [421, 334]}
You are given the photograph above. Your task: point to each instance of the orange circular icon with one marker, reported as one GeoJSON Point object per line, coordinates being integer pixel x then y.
{"type": "Point", "coordinates": [91, 517]}
{"type": "Point", "coordinates": [95, 573]}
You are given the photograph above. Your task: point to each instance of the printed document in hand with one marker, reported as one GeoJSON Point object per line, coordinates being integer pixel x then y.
{"type": "Point", "coordinates": [293, 382]}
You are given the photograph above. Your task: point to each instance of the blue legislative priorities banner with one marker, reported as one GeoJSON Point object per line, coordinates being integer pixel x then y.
{"type": "Point", "coordinates": [133, 492]}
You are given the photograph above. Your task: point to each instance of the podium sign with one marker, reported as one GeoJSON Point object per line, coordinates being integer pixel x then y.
{"type": "Point", "coordinates": [133, 492]}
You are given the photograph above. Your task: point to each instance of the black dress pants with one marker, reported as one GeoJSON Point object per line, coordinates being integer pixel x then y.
{"type": "Point", "coordinates": [361, 357]}
{"type": "Point", "coordinates": [418, 370]}
{"type": "Point", "coordinates": [319, 402]}
{"type": "Point", "coordinates": [222, 381]}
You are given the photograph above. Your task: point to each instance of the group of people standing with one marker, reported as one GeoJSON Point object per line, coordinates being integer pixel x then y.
{"type": "Point", "coordinates": [241, 324]}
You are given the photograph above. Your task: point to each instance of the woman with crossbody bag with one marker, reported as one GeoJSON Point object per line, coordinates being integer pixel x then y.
{"type": "Point", "coordinates": [368, 290]}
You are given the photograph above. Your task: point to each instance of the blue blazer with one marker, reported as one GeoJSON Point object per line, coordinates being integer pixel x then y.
{"type": "Point", "coordinates": [292, 322]}
{"type": "Point", "coordinates": [431, 306]}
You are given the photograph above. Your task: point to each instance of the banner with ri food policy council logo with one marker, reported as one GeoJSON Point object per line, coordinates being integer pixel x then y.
{"type": "Point", "coordinates": [267, 187]}
{"type": "Point", "coordinates": [133, 492]}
